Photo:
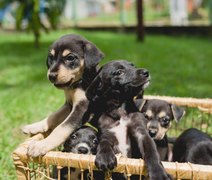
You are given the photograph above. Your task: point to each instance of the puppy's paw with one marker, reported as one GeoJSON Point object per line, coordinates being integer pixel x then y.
{"type": "Point", "coordinates": [35, 128]}
{"type": "Point", "coordinates": [37, 148]}
{"type": "Point", "coordinates": [106, 160]}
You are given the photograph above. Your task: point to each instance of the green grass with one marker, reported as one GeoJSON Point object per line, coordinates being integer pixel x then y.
{"type": "Point", "coordinates": [179, 66]}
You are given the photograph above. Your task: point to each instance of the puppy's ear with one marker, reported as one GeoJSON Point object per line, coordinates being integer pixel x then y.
{"type": "Point", "coordinates": [177, 112]}
{"type": "Point", "coordinates": [140, 103]}
{"type": "Point", "coordinates": [94, 87]}
{"type": "Point", "coordinates": [92, 55]}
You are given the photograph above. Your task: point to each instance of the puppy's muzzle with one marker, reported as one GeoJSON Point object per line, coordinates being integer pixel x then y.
{"type": "Point", "coordinates": [144, 72]}
{"type": "Point", "coordinates": [82, 150]}
{"type": "Point", "coordinates": [53, 77]}
{"type": "Point", "coordinates": [153, 131]}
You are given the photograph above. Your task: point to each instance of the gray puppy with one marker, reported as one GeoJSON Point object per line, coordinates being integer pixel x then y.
{"type": "Point", "coordinates": [160, 115]}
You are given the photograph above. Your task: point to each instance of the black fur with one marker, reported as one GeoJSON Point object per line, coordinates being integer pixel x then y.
{"type": "Point", "coordinates": [112, 93]}
{"type": "Point", "coordinates": [82, 141]}
{"type": "Point", "coordinates": [193, 146]}
{"type": "Point", "coordinates": [85, 135]}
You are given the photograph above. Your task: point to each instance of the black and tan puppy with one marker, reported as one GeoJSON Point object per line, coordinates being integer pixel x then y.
{"type": "Point", "coordinates": [112, 91]}
{"type": "Point", "coordinates": [193, 146]}
{"type": "Point", "coordinates": [82, 141]}
{"type": "Point", "coordinates": [71, 63]}
{"type": "Point", "coordinates": [160, 115]}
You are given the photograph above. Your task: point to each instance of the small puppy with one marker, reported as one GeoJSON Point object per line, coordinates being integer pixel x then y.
{"type": "Point", "coordinates": [112, 93]}
{"type": "Point", "coordinates": [160, 115]}
{"type": "Point", "coordinates": [82, 141]}
{"type": "Point", "coordinates": [193, 146]}
{"type": "Point", "coordinates": [71, 63]}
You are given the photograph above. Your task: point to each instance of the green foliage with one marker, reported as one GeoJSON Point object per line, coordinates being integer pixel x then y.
{"type": "Point", "coordinates": [30, 10]}
{"type": "Point", "coordinates": [54, 11]}
{"type": "Point", "coordinates": [179, 66]}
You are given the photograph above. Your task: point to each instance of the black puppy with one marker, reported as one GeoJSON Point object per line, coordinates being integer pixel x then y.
{"type": "Point", "coordinates": [160, 115]}
{"type": "Point", "coordinates": [82, 141]}
{"type": "Point", "coordinates": [112, 93]}
{"type": "Point", "coordinates": [71, 63]}
{"type": "Point", "coordinates": [193, 146]}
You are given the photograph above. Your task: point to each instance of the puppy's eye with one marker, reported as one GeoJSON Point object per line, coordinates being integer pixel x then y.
{"type": "Point", "coordinates": [119, 72]}
{"type": "Point", "coordinates": [165, 120]}
{"type": "Point", "coordinates": [74, 136]}
{"type": "Point", "coordinates": [95, 141]}
{"type": "Point", "coordinates": [70, 58]}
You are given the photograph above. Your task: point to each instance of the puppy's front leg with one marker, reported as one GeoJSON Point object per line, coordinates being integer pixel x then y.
{"type": "Point", "coordinates": [61, 132]}
{"type": "Point", "coordinates": [105, 156]}
{"type": "Point", "coordinates": [48, 123]}
{"type": "Point", "coordinates": [147, 148]}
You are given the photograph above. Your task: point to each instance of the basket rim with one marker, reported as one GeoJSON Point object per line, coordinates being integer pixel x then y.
{"type": "Point", "coordinates": [124, 165]}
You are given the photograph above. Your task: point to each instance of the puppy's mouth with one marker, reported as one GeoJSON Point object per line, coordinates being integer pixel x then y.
{"type": "Point", "coordinates": [146, 84]}
{"type": "Point", "coordinates": [67, 84]}
{"type": "Point", "coordinates": [158, 136]}
{"type": "Point", "coordinates": [139, 84]}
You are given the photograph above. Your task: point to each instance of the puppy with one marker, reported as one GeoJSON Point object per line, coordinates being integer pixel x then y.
{"type": "Point", "coordinates": [82, 141]}
{"type": "Point", "coordinates": [193, 146]}
{"type": "Point", "coordinates": [71, 63]}
{"type": "Point", "coordinates": [112, 93]}
{"type": "Point", "coordinates": [160, 115]}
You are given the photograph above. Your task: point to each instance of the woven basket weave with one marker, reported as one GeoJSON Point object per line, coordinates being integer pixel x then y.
{"type": "Point", "coordinates": [41, 167]}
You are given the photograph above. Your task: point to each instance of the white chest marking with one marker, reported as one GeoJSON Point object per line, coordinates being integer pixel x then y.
{"type": "Point", "coordinates": [120, 132]}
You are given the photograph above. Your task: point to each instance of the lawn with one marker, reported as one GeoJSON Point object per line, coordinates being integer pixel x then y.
{"type": "Point", "coordinates": [179, 66]}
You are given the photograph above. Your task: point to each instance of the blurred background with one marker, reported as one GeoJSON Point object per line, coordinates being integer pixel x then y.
{"type": "Point", "coordinates": [107, 14]}
{"type": "Point", "coordinates": [171, 38]}
{"type": "Point", "coordinates": [104, 12]}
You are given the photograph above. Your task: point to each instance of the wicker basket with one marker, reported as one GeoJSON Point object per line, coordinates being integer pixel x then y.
{"type": "Point", "coordinates": [198, 114]}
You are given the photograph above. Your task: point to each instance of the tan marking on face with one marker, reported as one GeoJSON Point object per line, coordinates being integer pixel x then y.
{"type": "Point", "coordinates": [66, 52]}
{"type": "Point", "coordinates": [149, 113]}
{"type": "Point", "coordinates": [162, 114]}
{"type": "Point", "coordinates": [148, 124]}
{"type": "Point", "coordinates": [65, 74]}
{"type": "Point", "coordinates": [52, 52]}
{"type": "Point", "coordinates": [161, 133]}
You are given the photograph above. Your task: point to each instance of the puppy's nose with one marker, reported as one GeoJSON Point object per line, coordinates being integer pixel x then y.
{"type": "Point", "coordinates": [153, 132]}
{"type": "Point", "coordinates": [82, 150]}
{"type": "Point", "coordinates": [144, 72]}
{"type": "Point", "coordinates": [52, 77]}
